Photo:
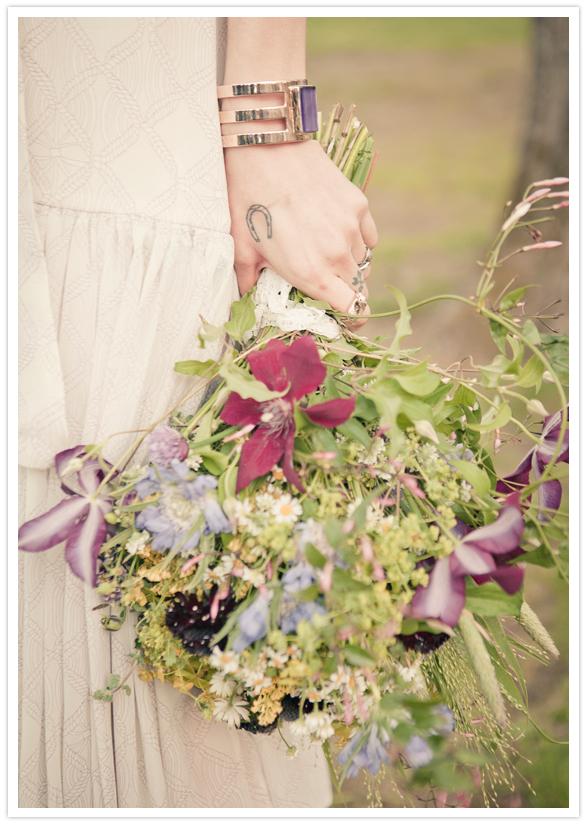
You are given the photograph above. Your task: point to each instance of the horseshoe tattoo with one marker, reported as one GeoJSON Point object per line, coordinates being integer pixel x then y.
{"type": "Point", "coordinates": [258, 207]}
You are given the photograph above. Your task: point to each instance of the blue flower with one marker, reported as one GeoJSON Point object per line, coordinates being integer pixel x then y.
{"type": "Point", "coordinates": [186, 507]}
{"type": "Point", "coordinates": [446, 720]}
{"type": "Point", "coordinates": [149, 484]}
{"type": "Point", "coordinates": [418, 752]}
{"type": "Point", "coordinates": [252, 623]}
{"type": "Point", "coordinates": [297, 612]}
{"type": "Point", "coordinates": [216, 520]}
{"type": "Point", "coordinates": [298, 577]}
{"type": "Point", "coordinates": [165, 533]}
{"type": "Point", "coordinates": [370, 756]}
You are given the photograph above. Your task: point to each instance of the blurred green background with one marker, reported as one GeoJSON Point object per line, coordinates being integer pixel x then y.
{"type": "Point", "coordinates": [446, 100]}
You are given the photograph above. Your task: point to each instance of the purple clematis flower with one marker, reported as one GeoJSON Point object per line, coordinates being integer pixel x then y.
{"type": "Point", "coordinates": [481, 553]}
{"type": "Point", "coordinates": [78, 519]}
{"type": "Point", "coordinates": [549, 493]}
{"type": "Point", "coordinates": [299, 370]}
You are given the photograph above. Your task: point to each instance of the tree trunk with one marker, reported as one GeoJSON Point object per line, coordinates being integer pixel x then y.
{"type": "Point", "coordinates": [545, 152]}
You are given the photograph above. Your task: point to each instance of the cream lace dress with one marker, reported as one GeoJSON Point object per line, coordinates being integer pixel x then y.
{"type": "Point", "coordinates": [124, 245]}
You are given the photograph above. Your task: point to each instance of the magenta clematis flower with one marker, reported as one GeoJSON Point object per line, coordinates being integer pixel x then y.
{"type": "Point", "coordinates": [483, 554]}
{"type": "Point", "coordinates": [78, 519]}
{"type": "Point", "coordinates": [549, 493]}
{"type": "Point", "coordinates": [298, 369]}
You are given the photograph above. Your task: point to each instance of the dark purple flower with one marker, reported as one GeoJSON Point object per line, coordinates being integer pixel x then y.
{"type": "Point", "coordinates": [78, 519]}
{"type": "Point", "coordinates": [299, 370]}
{"type": "Point", "coordinates": [482, 553]}
{"type": "Point", "coordinates": [549, 493]}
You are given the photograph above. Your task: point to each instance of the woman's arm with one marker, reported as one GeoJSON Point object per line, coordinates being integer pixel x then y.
{"type": "Point", "coordinates": [319, 222]}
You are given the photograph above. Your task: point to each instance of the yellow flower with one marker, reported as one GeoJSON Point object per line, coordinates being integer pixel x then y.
{"type": "Point", "coordinates": [266, 707]}
{"type": "Point", "coordinates": [146, 675]}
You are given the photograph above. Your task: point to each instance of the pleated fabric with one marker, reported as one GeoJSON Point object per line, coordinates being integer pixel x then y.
{"type": "Point", "coordinates": [124, 248]}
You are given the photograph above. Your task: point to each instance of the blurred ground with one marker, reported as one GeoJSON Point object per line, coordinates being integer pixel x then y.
{"type": "Point", "coordinates": [446, 99]}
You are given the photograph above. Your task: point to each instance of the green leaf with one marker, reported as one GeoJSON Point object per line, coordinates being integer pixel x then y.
{"type": "Point", "coordinates": [242, 317]}
{"type": "Point", "coordinates": [113, 681]}
{"type": "Point", "coordinates": [542, 557]}
{"type": "Point", "coordinates": [463, 395]}
{"type": "Point", "coordinates": [227, 483]}
{"type": "Point", "coordinates": [494, 418]}
{"type": "Point", "coordinates": [244, 384]}
{"type": "Point", "coordinates": [499, 334]}
{"type": "Point", "coordinates": [490, 600]}
{"type": "Point", "coordinates": [402, 325]}
{"type": "Point", "coordinates": [342, 580]}
{"type": "Point", "coordinates": [530, 332]}
{"type": "Point", "coordinates": [205, 369]}
{"type": "Point", "coordinates": [531, 373]}
{"type": "Point", "coordinates": [365, 408]}
{"type": "Point", "coordinates": [510, 299]}
{"type": "Point", "coordinates": [472, 473]}
{"type": "Point", "coordinates": [209, 332]}
{"type": "Point", "coordinates": [314, 556]}
{"type": "Point", "coordinates": [354, 431]}
{"type": "Point", "coordinates": [213, 461]}
{"type": "Point", "coordinates": [357, 656]}
{"type": "Point", "coordinates": [556, 349]}
{"type": "Point", "coordinates": [417, 380]}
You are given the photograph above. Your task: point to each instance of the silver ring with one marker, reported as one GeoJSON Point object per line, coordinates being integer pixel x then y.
{"type": "Point", "coordinates": [367, 258]}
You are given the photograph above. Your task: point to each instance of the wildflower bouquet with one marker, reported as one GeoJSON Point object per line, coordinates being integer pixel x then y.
{"type": "Point", "coordinates": [326, 546]}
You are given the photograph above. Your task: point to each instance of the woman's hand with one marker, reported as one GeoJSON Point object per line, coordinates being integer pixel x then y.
{"type": "Point", "coordinates": [293, 210]}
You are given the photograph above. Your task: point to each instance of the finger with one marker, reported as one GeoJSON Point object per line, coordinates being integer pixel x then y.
{"type": "Point", "coordinates": [328, 287]}
{"type": "Point", "coordinates": [359, 248]}
{"type": "Point", "coordinates": [359, 282]}
{"type": "Point", "coordinates": [356, 323]}
{"type": "Point", "coordinates": [369, 230]}
{"type": "Point", "coordinates": [247, 274]}
{"type": "Point", "coordinates": [347, 268]}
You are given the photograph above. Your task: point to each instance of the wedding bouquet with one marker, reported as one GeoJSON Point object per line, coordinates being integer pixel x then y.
{"type": "Point", "coordinates": [325, 547]}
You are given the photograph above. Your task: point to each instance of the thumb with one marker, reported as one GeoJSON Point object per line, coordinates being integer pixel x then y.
{"type": "Point", "coordinates": [247, 274]}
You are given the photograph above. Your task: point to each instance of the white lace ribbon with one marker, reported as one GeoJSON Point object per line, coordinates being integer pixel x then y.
{"type": "Point", "coordinates": [274, 308]}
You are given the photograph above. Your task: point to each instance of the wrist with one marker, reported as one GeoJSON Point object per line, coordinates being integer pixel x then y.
{"type": "Point", "coordinates": [232, 104]}
{"type": "Point", "coordinates": [265, 112]}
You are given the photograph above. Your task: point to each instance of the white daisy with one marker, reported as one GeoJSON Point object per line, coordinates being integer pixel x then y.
{"type": "Point", "coordinates": [276, 659]}
{"type": "Point", "coordinates": [256, 577]}
{"type": "Point", "coordinates": [194, 461]}
{"type": "Point", "coordinates": [232, 711]}
{"type": "Point", "coordinates": [319, 725]}
{"type": "Point", "coordinates": [137, 542]}
{"type": "Point", "coordinates": [286, 509]}
{"type": "Point", "coordinates": [256, 681]}
{"type": "Point", "coordinates": [222, 686]}
{"type": "Point", "coordinates": [226, 661]}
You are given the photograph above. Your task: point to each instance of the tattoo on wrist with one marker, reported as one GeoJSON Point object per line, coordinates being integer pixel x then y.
{"type": "Point", "coordinates": [251, 211]}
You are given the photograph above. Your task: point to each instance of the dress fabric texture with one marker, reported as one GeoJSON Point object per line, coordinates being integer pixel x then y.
{"type": "Point", "coordinates": [124, 246]}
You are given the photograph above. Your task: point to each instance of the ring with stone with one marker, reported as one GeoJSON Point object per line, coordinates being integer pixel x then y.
{"type": "Point", "coordinates": [358, 305]}
{"type": "Point", "coordinates": [367, 258]}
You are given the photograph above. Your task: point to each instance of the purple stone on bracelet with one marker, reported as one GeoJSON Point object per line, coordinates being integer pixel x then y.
{"type": "Point", "coordinates": [309, 108]}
